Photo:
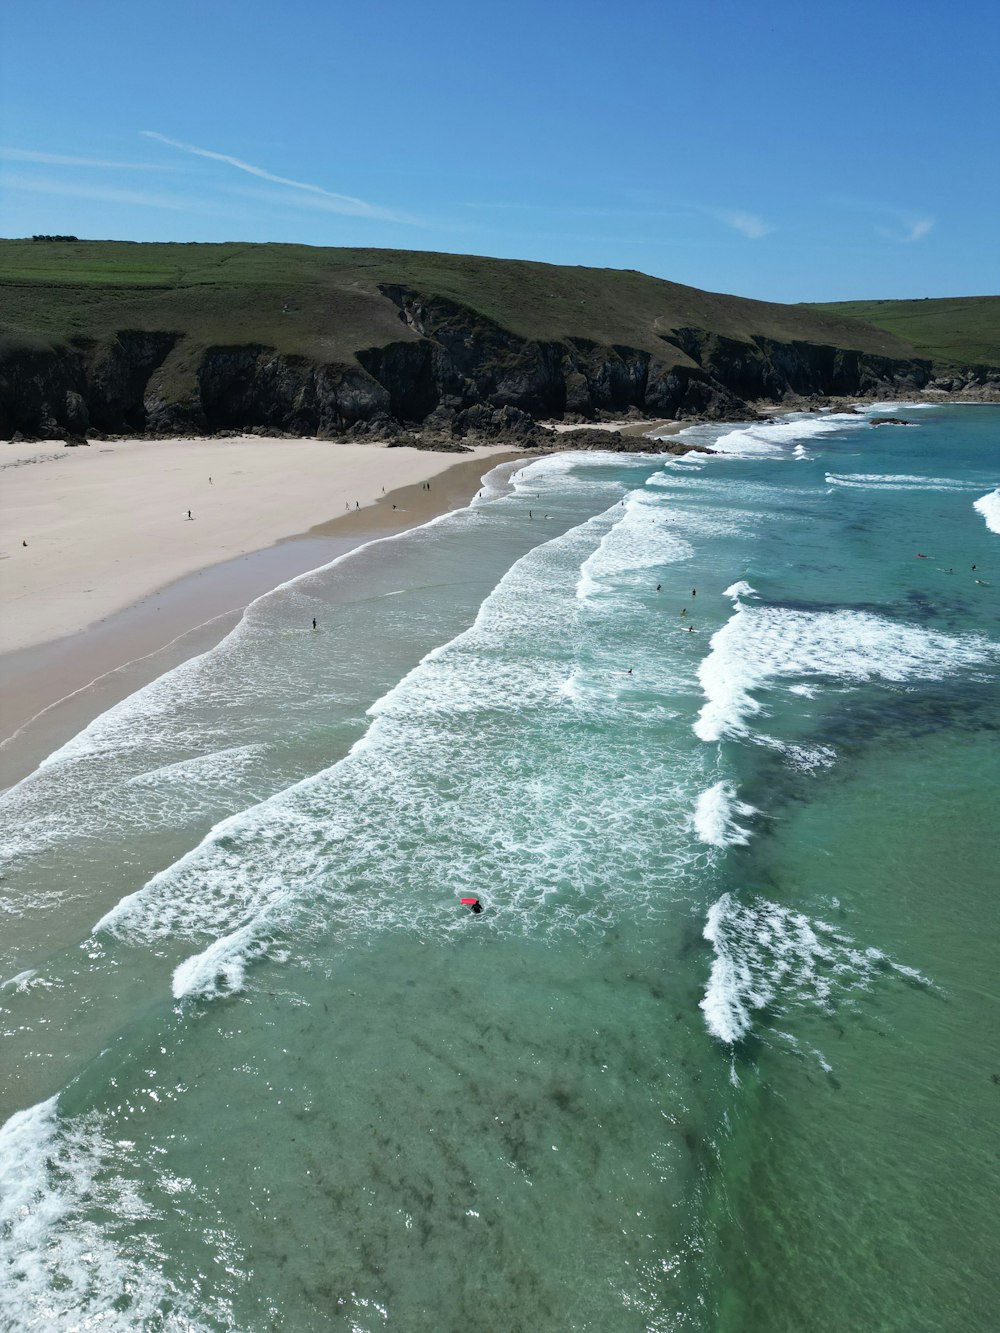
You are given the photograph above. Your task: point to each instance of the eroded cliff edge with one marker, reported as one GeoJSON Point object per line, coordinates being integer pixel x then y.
{"type": "Point", "coordinates": [379, 357]}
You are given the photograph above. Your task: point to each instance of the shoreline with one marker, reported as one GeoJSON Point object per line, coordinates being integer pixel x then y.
{"type": "Point", "coordinates": [52, 689]}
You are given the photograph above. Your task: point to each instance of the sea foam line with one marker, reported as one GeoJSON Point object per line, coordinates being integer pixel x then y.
{"type": "Point", "coordinates": [357, 848]}
{"type": "Point", "coordinates": [769, 439]}
{"type": "Point", "coordinates": [716, 814]}
{"type": "Point", "coordinates": [60, 1263]}
{"type": "Point", "coordinates": [760, 644]}
{"type": "Point", "coordinates": [769, 956]}
{"type": "Point", "coordinates": [890, 481]}
{"type": "Point", "coordinates": [638, 541]}
{"type": "Point", "coordinates": [989, 507]}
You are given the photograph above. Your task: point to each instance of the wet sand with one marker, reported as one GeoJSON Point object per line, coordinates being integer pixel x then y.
{"type": "Point", "coordinates": [52, 689]}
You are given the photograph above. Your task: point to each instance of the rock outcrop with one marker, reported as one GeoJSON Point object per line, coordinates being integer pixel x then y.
{"type": "Point", "coordinates": [452, 372]}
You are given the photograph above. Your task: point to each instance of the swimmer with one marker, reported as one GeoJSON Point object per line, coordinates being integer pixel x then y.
{"type": "Point", "coordinates": [659, 586]}
{"type": "Point", "coordinates": [920, 556]}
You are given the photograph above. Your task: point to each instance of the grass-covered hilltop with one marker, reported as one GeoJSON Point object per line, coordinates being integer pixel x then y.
{"type": "Point", "coordinates": [111, 337]}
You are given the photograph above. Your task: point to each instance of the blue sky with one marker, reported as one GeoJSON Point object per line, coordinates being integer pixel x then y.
{"type": "Point", "coordinates": [787, 151]}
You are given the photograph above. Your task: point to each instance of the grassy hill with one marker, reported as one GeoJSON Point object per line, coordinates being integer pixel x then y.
{"type": "Point", "coordinates": [115, 335]}
{"type": "Point", "coordinates": [951, 331]}
{"type": "Point", "coordinates": [326, 303]}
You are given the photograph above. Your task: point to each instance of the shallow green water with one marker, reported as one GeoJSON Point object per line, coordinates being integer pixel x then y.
{"type": "Point", "coordinates": [719, 1053]}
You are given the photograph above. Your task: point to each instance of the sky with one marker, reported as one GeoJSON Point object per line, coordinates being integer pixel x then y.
{"type": "Point", "coordinates": [787, 150]}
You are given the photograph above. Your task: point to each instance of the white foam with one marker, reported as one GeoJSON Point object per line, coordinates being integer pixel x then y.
{"type": "Point", "coordinates": [60, 1265]}
{"type": "Point", "coordinates": [740, 589]}
{"type": "Point", "coordinates": [639, 540]}
{"type": "Point", "coordinates": [761, 644]}
{"type": "Point", "coordinates": [989, 506]}
{"type": "Point", "coordinates": [767, 955]}
{"type": "Point", "coordinates": [359, 847]}
{"type": "Point", "coordinates": [769, 439]}
{"type": "Point", "coordinates": [895, 481]}
{"type": "Point", "coordinates": [21, 982]}
{"type": "Point", "coordinates": [221, 968]}
{"type": "Point", "coordinates": [716, 813]}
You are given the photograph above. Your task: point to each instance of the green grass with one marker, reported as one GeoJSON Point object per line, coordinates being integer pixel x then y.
{"type": "Point", "coordinates": [952, 331]}
{"type": "Point", "coordinates": [325, 304]}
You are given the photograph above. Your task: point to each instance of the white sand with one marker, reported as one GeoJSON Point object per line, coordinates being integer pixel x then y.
{"type": "Point", "coordinates": [107, 525]}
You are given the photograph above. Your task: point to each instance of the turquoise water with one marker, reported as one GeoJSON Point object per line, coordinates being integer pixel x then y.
{"type": "Point", "coordinates": [720, 1053]}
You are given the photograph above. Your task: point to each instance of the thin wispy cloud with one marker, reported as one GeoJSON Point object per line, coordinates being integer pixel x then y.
{"type": "Point", "coordinates": [573, 210]}
{"type": "Point", "coordinates": [30, 155]}
{"type": "Point", "coordinates": [335, 202]}
{"type": "Point", "coordinates": [749, 225]}
{"type": "Point", "coordinates": [103, 193]}
{"type": "Point", "coordinates": [899, 224]}
{"type": "Point", "coordinates": [910, 229]}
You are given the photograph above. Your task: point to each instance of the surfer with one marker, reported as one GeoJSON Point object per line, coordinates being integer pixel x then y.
{"type": "Point", "coordinates": [473, 904]}
{"type": "Point", "coordinates": [920, 556]}
{"type": "Point", "coordinates": [314, 622]}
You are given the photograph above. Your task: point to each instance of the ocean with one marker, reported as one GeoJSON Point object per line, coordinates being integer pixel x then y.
{"type": "Point", "coordinates": [714, 740]}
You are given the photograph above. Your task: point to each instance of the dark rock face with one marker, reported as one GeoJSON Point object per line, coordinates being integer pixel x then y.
{"type": "Point", "coordinates": [51, 393]}
{"type": "Point", "coordinates": [462, 375]}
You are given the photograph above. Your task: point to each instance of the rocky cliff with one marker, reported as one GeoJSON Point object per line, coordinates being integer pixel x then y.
{"type": "Point", "coordinates": [436, 363]}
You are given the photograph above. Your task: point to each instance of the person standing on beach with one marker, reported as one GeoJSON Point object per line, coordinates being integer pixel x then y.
{"type": "Point", "coordinates": [189, 515]}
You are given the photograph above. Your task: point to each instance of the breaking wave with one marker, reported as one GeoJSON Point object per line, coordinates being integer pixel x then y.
{"type": "Point", "coordinates": [770, 957]}
{"type": "Point", "coordinates": [989, 507]}
{"type": "Point", "coordinates": [761, 644]}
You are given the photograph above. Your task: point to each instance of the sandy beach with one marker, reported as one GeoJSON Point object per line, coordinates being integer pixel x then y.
{"type": "Point", "coordinates": [88, 531]}
{"type": "Point", "coordinates": [116, 584]}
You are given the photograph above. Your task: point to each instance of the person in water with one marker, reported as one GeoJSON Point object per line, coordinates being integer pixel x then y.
{"type": "Point", "coordinates": [314, 622]}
